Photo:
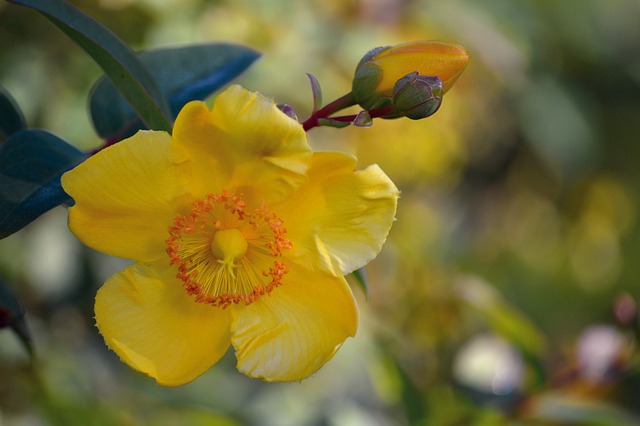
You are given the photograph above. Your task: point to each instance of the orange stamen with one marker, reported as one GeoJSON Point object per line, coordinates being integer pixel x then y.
{"type": "Point", "coordinates": [220, 281]}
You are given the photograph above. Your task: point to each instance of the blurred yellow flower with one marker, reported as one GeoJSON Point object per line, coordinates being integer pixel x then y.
{"type": "Point", "coordinates": [261, 232]}
{"type": "Point", "coordinates": [380, 69]}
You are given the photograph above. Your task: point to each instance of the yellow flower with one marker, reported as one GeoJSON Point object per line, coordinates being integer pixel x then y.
{"type": "Point", "coordinates": [380, 69]}
{"type": "Point", "coordinates": [240, 235]}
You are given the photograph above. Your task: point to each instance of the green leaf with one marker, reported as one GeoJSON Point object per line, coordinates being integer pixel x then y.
{"type": "Point", "coordinates": [360, 277]}
{"type": "Point", "coordinates": [31, 163]}
{"type": "Point", "coordinates": [183, 74]}
{"type": "Point", "coordinates": [12, 315]}
{"type": "Point", "coordinates": [11, 118]}
{"type": "Point", "coordinates": [396, 380]}
{"type": "Point", "coordinates": [117, 60]}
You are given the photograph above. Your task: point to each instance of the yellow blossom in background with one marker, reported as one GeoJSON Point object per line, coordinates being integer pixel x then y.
{"type": "Point", "coordinates": [240, 235]}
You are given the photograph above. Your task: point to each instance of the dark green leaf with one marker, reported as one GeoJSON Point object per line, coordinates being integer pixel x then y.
{"type": "Point", "coordinates": [117, 60]}
{"type": "Point", "coordinates": [360, 277]}
{"type": "Point", "coordinates": [12, 315]}
{"type": "Point", "coordinates": [11, 118]}
{"type": "Point", "coordinates": [183, 74]}
{"type": "Point", "coordinates": [31, 163]}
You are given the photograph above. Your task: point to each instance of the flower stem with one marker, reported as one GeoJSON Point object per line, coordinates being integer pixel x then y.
{"type": "Point", "coordinates": [324, 112]}
{"type": "Point", "coordinates": [374, 113]}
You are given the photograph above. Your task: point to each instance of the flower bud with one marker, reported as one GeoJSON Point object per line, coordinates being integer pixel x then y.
{"type": "Point", "coordinates": [380, 69]}
{"type": "Point", "coordinates": [416, 96]}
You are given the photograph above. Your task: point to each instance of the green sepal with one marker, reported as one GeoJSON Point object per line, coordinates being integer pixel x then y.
{"type": "Point", "coordinates": [365, 81]}
{"type": "Point", "coordinates": [316, 90]}
{"type": "Point", "coordinates": [288, 111]}
{"type": "Point", "coordinates": [360, 278]}
{"type": "Point", "coordinates": [329, 122]}
{"type": "Point", "coordinates": [363, 119]}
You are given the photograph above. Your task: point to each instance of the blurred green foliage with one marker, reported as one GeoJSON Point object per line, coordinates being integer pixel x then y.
{"type": "Point", "coordinates": [507, 292]}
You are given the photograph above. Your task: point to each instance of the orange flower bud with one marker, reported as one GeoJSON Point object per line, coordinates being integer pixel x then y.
{"type": "Point", "coordinates": [381, 68]}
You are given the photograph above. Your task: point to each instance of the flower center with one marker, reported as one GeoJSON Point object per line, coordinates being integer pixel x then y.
{"type": "Point", "coordinates": [225, 254]}
{"type": "Point", "coordinates": [228, 245]}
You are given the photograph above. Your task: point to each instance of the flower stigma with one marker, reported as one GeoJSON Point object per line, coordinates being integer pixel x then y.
{"type": "Point", "coordinates": [227, 246]}
{"type": "Point", "coordinates": [224, 254]}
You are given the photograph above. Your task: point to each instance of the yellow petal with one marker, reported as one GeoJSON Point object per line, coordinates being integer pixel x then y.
{"type": "Point", "coordinates": [339, 216]}
{"type": "Point", "coordinates": [294, 331]}
{"type": "Point", "coordinates": [126, 196]}
{"type": "Point", "coordinates": [244, 142]}
{"type": "Point", "coordinates": [148, 319]}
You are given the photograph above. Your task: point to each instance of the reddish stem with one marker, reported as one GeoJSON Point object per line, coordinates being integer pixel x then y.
{"type": "Point", "coordinates": [324, 112]}
{"type": "Point", "coordinates": [337, 105]}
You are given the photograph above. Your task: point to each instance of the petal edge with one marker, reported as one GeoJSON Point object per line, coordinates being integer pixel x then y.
{"type": "Point", "coordinates": [340, 216]}
{"type": "Point", "coordinates": [126, 196]}
{"type": "Point", "coordinates": [156, 328]}
{"type": "Point", "coordinates": [291, 333]}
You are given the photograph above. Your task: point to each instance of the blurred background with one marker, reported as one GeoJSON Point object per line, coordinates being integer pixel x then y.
{"type": "Point", "coordinates": [507, 291]}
